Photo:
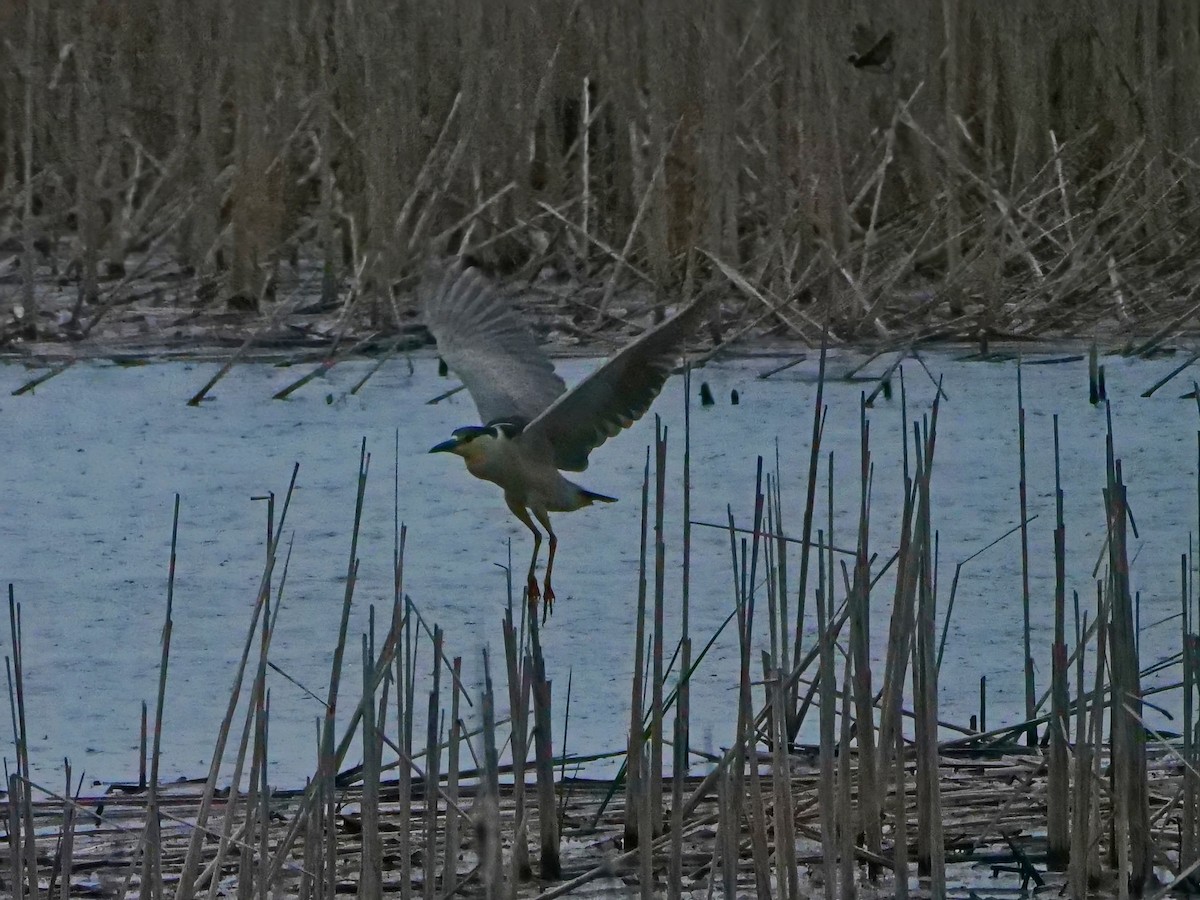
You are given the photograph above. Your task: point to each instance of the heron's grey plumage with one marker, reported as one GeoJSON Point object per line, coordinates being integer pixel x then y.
{"type": "Point", "coordinates": [535, 427]}
{"type": "Point", "coordinates": [488, 347]}
{"type": "Point", "coordinates": [616, 395]}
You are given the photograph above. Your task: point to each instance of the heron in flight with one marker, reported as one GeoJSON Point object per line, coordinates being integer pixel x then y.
{"type": "Point", "coordinates": [533, 426]}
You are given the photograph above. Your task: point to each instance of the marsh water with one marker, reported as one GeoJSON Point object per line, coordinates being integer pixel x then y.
{"type": "Point", "coordinates": [92, 459]}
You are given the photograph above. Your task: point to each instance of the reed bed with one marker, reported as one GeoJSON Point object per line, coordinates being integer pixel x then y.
{"type": "Point", "coordinates": [217, 173]}
{"type": "Point", "coordinates": [456, 795]}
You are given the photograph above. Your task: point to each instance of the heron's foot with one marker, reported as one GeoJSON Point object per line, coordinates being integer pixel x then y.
{"type": "Point", "coordinates": [548, 606]}
{"type": "Point", "coordinates": [534, 593]}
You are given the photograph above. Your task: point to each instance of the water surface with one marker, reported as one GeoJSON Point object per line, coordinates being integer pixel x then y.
{"type": "Point", "coordinates": [92, 460]}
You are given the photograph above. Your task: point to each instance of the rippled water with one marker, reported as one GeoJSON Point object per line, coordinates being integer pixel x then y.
{"type": "Point", "coordinates": [92, 460]}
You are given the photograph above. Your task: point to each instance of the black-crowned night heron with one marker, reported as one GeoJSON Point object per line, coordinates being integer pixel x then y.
{"type": "Point", "coordinates": [533, 425]}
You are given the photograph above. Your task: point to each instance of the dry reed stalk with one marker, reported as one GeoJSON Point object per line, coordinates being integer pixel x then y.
{"type": "Point", "coordinates": [1130, 789]}
{"type": "Point", "coordinates": [549, 860]}
{"type": "Point", "coordinates": [246, 869]}
{"type": "Point", "coordinates": [745, 744]}
{"type": "Point", "coordinates": [818, 422]}
{"type": "Point", "coordinates": [847, 824]}
{"type": "Point", "coordinates": [858, 604]}
{"type": "Point", "coordinates": [1058, 789]}
{"type": "Point", "coordinates": [900, 818]}
{"type": "Point", "coordinates": [756, 819]}
{"type": "Point", "coordinates": [249, 725]}
{"type": "Point", "coordinates": [1022, 493]}
{"type": "Point", "coordinates": [633, 770]}
{"type": "Point", "coordinates": [783, 655]}
{"type": "Point", "coordinates": [1189, 840]}
{"type": "Point", "coordinates": [901, 625]}
{"type": "Point", "coordinates": [645, 816]}
{"type": "Point", "coordinates": [43, 378]}
{"type": "Point", "coordinates": [327, 772]}
{"type": "Point", "coordinates": [679, 768]}
{"type": "Point", "coordinates": [143, 739]}
{"type": "Point", "coordinates": [654, 788]}
{"type": "Point", "coordinates": [152, 880]}
{"type": "Point", "coordinates": [370, 878]}
{"type": "Point", "coordinates": [88, 112]}
{"type": "Point", "coordinates": [786, 873]}
{"type": "Point", "coordinates": [406, 661]}
{"type": "Point", "coordinates": [519, 686]}
{"type": "Point", "coordinates": [311, 821]}
{"type": "Point", "coordinates": [728, 826]}
{"type": "Point", "coordinates": [22, 799]}
{"type": "Point", "coordinates": [17, 838]}
{"type": "Point", "coordinates": [827, 798]}
{"type": "Point", "coordinates": [32, 77]}
{"type": "Point", "coordinates": [433, 758]}
{"type": "Point", "coordinates": [1081, 793]}
{"type": "Point", "coordinates": [65, 862]}
{"type": "Point", "coordinates": [450, 867]}
{"type": "Point", "coordinates": [487, 824]}
{"type": "Point", "coordinates": [925, 687]}
{"type": "Point", "coordinates": [263, 869]}
{"type": "Point", "coordinates": [680, 760]}
{"type": "Point", "coordinates": [958, 567]}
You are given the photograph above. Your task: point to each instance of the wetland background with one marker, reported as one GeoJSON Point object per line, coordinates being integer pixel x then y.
{"type": "Point", "coordinates": [173, 172]}
{"type": "Point", "coordinates": [227, 182]}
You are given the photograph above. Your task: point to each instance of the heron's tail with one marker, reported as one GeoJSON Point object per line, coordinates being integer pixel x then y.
{"type": "Point", "coordinates": [587, 497]}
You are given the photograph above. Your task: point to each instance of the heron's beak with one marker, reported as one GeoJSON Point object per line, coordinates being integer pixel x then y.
{"type": "Point", "coordinates": [445, 446]}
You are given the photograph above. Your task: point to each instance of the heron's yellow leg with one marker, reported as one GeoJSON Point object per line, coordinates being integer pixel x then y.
{"type": "Point", "coordinates": [548, 593]}
{"type": "Point", "coordinates": [521, 513]}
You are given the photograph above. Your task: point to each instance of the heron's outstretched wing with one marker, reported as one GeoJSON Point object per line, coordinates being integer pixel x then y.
{"type": "Point", "coordinates": [488, 347]}
{"type": "Point", "coordinates": [617, 394]}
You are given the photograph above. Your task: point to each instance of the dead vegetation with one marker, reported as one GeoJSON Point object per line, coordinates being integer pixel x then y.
{"type": "Point", "coordinates": [171, 172]}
